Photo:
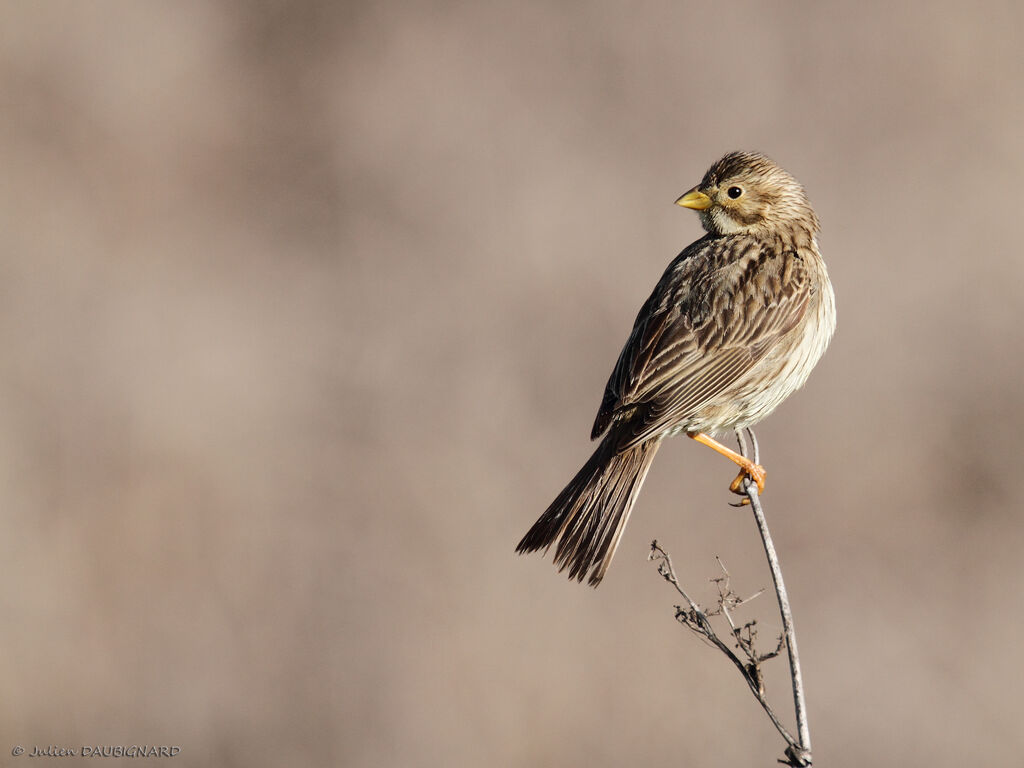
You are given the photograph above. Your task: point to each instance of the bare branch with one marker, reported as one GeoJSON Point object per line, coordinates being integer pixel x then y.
{"type": "Point", "coordinates": [803, 755]}
{"type": "Point", "coordinates": [695, 619]}
{"type": "Point", "coordinates": [798, 750]}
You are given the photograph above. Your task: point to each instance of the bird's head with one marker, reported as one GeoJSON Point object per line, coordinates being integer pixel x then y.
{"type": "Point", "coordinates": [747, 192]}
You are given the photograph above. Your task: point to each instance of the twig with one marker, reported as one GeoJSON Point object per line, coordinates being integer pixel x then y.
{"type": "Point", "coordinates": [697, 620]}
{"type": "Point", "coordinates": [803, 752]}
{"type": "Point", "coordinates": [798, 750]}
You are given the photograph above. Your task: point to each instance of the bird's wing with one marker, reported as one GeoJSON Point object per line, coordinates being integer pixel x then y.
{"type": "Point", "coordinates": [718, 309]}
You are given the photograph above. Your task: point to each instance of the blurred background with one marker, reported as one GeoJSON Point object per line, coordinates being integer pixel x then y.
{"type": "Point", "coordinates": [306, 313]}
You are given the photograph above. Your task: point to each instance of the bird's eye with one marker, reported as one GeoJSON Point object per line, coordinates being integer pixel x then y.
{"type": "Point", "coordinates": [734, 192]}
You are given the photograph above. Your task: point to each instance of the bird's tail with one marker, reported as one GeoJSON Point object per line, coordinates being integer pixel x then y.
{"type": "Point", "coordinates": [588, 517]}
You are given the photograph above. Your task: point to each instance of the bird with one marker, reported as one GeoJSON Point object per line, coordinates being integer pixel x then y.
{"type": "Point", "coordinates": [734, 326]}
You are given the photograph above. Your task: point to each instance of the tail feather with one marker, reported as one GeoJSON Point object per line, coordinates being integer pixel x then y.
{"type": "Point", "coordinates": [589, 515]}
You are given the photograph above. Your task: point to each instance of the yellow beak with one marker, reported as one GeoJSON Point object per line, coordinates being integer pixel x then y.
{"type": "Point", "coordinates": [698, 201]}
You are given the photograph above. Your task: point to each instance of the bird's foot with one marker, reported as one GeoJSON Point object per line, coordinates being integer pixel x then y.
{"type": "Point", "coordinates": [750, 470]}
{"type": "Point", "coordinates": [747, 467]}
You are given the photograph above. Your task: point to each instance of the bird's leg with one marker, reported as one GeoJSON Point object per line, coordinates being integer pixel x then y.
{"type": "Point", "coordinates": [748, 468]}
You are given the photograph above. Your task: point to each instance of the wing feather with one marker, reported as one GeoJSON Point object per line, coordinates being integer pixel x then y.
{"type": "Point", "coordinates": [721, 305]}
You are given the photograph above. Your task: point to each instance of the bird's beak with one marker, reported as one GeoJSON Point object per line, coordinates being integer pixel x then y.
{"type": "Point", "coordinates": [698, 201]}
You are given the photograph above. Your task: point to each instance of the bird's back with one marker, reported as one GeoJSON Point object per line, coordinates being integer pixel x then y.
{"type": "Point", "coordinates": [730, 314]}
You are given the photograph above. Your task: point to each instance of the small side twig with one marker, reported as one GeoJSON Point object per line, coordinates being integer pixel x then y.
{"type": "Point", "coordinates": [697, 620]}
{"type": "Point", "coordinates": [798, 750]}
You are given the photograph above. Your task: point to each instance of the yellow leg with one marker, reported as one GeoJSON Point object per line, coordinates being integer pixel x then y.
{"type": "Point", "coordinates": [749, 469]}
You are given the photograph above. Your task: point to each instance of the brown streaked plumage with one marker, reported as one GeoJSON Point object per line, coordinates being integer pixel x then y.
{"type": "Point", "coordinates": [734, 326]}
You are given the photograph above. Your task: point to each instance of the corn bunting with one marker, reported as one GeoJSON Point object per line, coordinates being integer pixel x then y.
{"type": "Point", "coordinates": [733, 327]}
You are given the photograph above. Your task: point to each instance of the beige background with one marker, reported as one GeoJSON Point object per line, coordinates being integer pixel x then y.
{"type": "Point", "coordinates": [306, 312]}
